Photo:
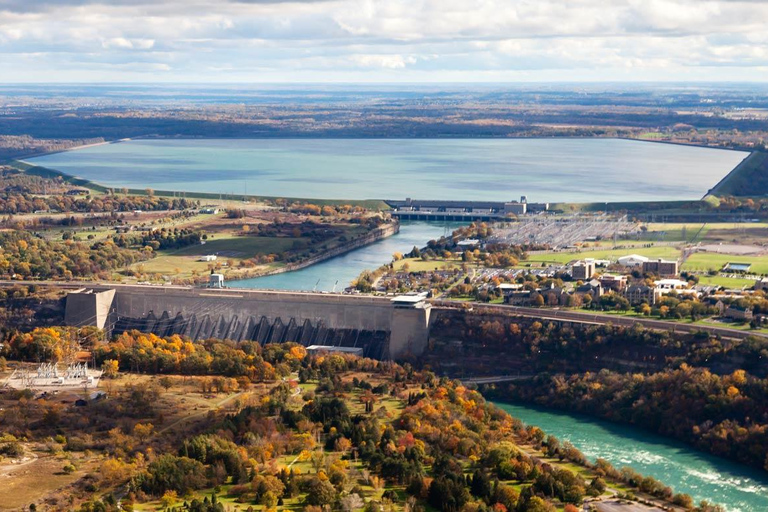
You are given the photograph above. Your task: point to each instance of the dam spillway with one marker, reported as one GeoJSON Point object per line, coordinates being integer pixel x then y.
{"type": "Point", "coordinates": [384, 328]}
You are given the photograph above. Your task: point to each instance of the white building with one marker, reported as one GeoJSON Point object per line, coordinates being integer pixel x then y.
{"type": "Point", "coordinates": [632, 260]}
{"type": "Point", "coordinates": [208, 257]}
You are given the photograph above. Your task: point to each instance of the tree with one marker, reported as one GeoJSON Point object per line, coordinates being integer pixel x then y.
{"type": "Point", "coordinates": [166, 382]}
{"type": "Point", "coordinates": [169, 499]}
{"type": "Point", "coordinates": [110, 368]}
{"type": "Point", "coordinates": [320, 492]}
{"type": "Point", "coordinates": [352, 502]}
{"type": "Point", "coordinates": [538, 300]}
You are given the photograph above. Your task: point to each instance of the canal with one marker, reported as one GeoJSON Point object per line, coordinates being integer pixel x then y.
{"type": "Point", "coordinates": [703, 476]}
{"type": "Point", "coordinates": [339, 272]}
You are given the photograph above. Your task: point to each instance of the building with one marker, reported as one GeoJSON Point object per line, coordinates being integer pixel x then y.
{"type": "Point", "coordinates": [509, 287]}
{"type": "Point", "coordinates": [735, 312]}
{"type": "Point", "coordinates": [208, 257]}
{"type": "Point", "coordinates": [761, 284]}
{"type": "Point", "coordinates": [469, 243]}
{"type": "Point", "coordinates": [661, 267]}
{"type": "Point", "coordinates": [632, 260]}
{"type": "Point", "coordinates": [613, 282]}
{"type": "Point", "coordinates": [592, 288]}
{"type": "Point", "coordinates": [216, 281]}
{"type": "Point", "coordinates": [670, 284]}
{"type": "Point", "coordinates": [209, 210]}
{"type": "Point", "coordinates": [742, 268]}
{"type": "Point", "coordinates": [639, 293]}
{"type": "Point", "coordinates": [518, 297]}
{"type": "Point", "coordinates": [583, 269]}
{"type": "Point", "coordinates": [357, 351]}
{"type": "Point", "coordinates": [515, 208]}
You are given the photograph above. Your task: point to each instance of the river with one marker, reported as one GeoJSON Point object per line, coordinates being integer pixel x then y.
{"type": "Point", "coordinates": [704, 477]}
{"type": "Point", "coordinates": [339, 272]}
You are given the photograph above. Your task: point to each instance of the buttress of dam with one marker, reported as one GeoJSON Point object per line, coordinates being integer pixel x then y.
{"type": "Point", "coordinates": [375, 344]}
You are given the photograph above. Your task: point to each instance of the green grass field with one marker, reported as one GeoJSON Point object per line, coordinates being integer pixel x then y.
{"type": "Point", "coordinates": [727, 282]}
{"type": "Point", "coordinates": [666, 252]}
{"type": "Point", "coordinates": [712, 261]}
{"type": "Point", "coordinates": [419, 265]}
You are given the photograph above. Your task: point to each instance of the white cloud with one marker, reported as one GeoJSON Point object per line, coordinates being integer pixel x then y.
{"type": "Point", "coordinates": [412, 39]}
{"type": "Point", "coordinates": [382, 61]}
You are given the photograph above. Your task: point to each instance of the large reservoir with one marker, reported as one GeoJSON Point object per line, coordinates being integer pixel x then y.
{"type": "Point", "coordinates": [576, 170]}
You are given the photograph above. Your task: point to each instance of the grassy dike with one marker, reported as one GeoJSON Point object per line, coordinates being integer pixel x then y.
{"type": "Point", "coordinates": [748, 179]}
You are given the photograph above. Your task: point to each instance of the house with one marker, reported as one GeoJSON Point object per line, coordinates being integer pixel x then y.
{"type": "Point", "coordinates": [761, 284]}
{"type": "Point", "coordinates": [209, 210]}
{"type": "Point", "coordinates": [208, 257]}
{"type": "Point", "coordinates": [632, 260]}
{"type": "Point", "coordinates": [639, 293]}
{"type": "Point", "coordinates": [661, 267]}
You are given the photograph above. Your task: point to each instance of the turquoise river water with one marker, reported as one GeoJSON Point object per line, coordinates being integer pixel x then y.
{"type": "Point", "coordinates": [340, 271]}
{"type": "Point", "coordinates": [704, 477]}
{"type": "Point", "coordinates": [579, 170]}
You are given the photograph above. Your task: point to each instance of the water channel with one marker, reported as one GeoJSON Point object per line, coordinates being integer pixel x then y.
{"type": "Point", "coordinates": [703, 476]}
{"type": "Point", "coordinates": [339, 272]}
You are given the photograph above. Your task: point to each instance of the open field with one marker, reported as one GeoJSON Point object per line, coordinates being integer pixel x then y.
{"type": "Point", "coordinates": [704, 261]}
{"type": "Point", "coordinates": [419, 265]}
{"type": "Point", "coordinates": [665, 251]}
{"type": "Point", "coordinates": [726, 282]}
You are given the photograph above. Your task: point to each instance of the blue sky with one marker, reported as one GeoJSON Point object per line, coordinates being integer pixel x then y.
{"type": "Point", "coordinates": [383, 40]}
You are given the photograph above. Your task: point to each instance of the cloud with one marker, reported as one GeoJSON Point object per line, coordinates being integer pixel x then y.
{"type": "Point", "coordinates": [379, 39]}
{"type": "Point", "coordinates": [127, 44]}
{"type": "Point", "coordinates": [382, 61]}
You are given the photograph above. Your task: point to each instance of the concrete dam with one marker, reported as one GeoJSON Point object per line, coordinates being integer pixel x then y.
{"type": "Point", "coordinates": [385, 328]}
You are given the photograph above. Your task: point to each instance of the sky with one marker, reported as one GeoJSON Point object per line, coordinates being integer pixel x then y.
{"type": "Point", "coordinates": [383, 40]}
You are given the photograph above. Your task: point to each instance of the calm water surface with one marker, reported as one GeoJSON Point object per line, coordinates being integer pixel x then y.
{"type": "Point", "coordinates": [343, 269]}
{"type": "Point", "coordinates": [581, 170]}
{"type": "Point", "coordinates": [704, 477]}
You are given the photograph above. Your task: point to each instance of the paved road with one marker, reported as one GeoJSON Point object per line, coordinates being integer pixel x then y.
{"type": "Point", "coordinates": [598, 319]}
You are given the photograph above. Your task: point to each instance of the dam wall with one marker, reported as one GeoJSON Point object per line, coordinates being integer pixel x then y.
{"type": "Point", "coordinates": [375, 323]}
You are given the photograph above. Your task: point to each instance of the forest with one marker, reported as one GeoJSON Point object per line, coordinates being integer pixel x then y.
{"type": "Point", "coordinates": [28, 257]}
{"type": "Point", "coordinates": [361, 434]}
